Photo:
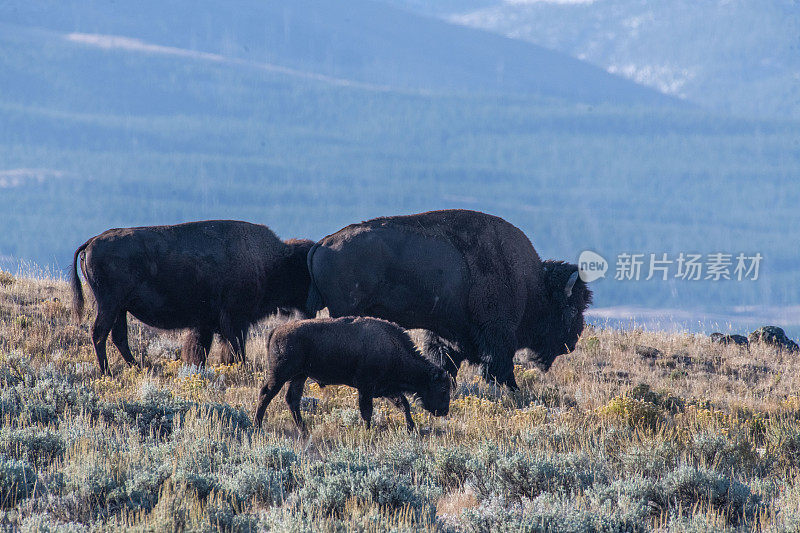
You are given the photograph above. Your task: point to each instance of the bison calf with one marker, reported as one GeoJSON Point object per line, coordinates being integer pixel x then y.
{"type": "Point", "coordinates": [217, 276]}
{"type": "Point", "coordinates": [375, 356]}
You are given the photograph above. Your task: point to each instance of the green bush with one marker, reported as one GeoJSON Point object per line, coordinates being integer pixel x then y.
{"type": "Point", "coordinates": [687, 485]}
{"type": "Point", "coordinates": [46, 523]}
{"type": "Point", "coordinates": [264, 484]}
{"type": "Point", "coordinates": [349, 475]}
{"type": "Point", "coordinates": [650, 459]}
{"type": "Point", "coordinates": [38, 446]}
{"type": "Point", "coordinates": [17, 481]}
{"type": "Point", "coordinates": [522, 475]}
{"type": "Point", "coordinates": [546, 513]}
{"type": "Point", "coordinates": [722, 452]}
{"type": "Point", "coordinates": [451, 466]}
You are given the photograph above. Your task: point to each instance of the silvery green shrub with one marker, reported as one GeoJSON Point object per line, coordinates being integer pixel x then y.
{"type": "Point", "coordinates": [285, 520]}
{"type": "Point", "coordinates": [251, 481]}
{"type": "Point", "coordinates": [43, 397]}
{"type": "Point", "coordinates": [687, 485]}
{"type": "Point", "coordinates": [38, 446]}
{"type": "Point", "coordinates": [17, 481]}
{"type": "Point", "coordinates": [223, 517]}
{"type": "Point", "coordinates": [349, 474]}
{"type": "Point", "coordinates": [696, 524]}
{"type": "Point", "coordinates": [194, 471]}
{"type": "Point", "coordinates": [186, 371]}
{"type": "Point", "coordinates": [163, 347]}
{"type": "Point", "coordinates": [451, 466]}
{"type": "Point", "coordinates": [406, 456]}
{"type": "Point", "coordinates": [522, 475]}
{"type": "Point", "coordinates": [558, 436]}
{"type": "Point", "coordinates": [94, 484]}
{"type": "Point", "coordinates": [636, 497]}
{"type": "Point", "coordinates": [153, 417]}
{"type": "Point", "coordinates": [722, 452]}
{"type": "Point", "coordinates": [143, 483]}
{"type": "Point", "coordinates": [783, 441]}
{"type": "Point", "coordinates": [46, 523]}
{"type": "Point", "coordinates": [348, 417]}
{"type": "Point", "coordinates": [546, 513]}
{"type": "Point", "coordinates": [231, 418]}
{"type": "Point", "coordinates": [650, 459]}
{"type": "Point", "coordinates": [525, 475]}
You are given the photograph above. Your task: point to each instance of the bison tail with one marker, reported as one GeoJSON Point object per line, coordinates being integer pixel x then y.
{"type": "Point", "coordinates": [269, 338]}
{"type": "Point", "coordinates": [314, 301]}
{"type": "Point", "coordinates": [75, 283]}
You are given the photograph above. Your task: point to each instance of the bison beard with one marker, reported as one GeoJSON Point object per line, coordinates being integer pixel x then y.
{"type": "Point", "coordinates": [472, 280]}
{"type": "Point", "coordinates": [212, 277]}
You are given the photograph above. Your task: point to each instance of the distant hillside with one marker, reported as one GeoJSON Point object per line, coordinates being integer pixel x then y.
{"type": "Point", "coordinates": [740, 56]}
{"type": "Point", "coordinates": [148, 128]}
{"type": "Point", "coordinates": [363, 41]}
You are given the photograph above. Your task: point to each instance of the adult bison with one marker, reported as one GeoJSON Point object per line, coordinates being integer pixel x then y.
{"type": "Point", "coordinates": [472, 280]}
{"type": "Point", "coordinates": [216, 276]}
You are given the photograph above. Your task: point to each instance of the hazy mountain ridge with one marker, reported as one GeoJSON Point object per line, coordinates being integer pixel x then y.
{"type": "Point", "coordinates": [361, 41]}
{"type": "Point", "coordinates": [740, 56]}
{"type": "Point", "coordinates": [140, 138]}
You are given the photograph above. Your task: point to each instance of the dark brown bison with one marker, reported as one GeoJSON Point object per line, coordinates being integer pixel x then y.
{"type": "Point", "coordinates": [217, 276]}
{"type": "Point", "coordinates": [472, 280]}
{"type": "Point", "coordinates": [375, 356]}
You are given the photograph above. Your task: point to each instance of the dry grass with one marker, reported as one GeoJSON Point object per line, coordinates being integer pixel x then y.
{"type": "Point", "coordinates": [635, 430]}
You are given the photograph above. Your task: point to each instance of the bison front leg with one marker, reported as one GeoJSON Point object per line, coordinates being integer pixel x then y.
{"type": "Point", "coordinates": [497, 348]}
{"type": "Point", "coordinates": [401, 403]}
{"type": "Point", "coordinates": [235, 334]}
{"type": "Point", "coordinates": [365, 406]}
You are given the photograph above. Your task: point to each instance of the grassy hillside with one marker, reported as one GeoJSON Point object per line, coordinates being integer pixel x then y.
{"type": "Point", "coordinates": [616, 437]}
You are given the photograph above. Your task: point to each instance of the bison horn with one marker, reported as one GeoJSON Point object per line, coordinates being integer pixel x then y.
{"type": "Point", "coordinates": [570, 283]}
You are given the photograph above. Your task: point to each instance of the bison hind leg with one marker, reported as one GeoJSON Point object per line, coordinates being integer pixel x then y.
{"type": "Point", "coordinates": [196, 345]}
{"type": "Point", "coordinates": [101, 327]}
{"type": "Point", "coordinates": [294, 394]}
{"type": "Point", "coordinates": [119, 336]}
{"type": "Point", "coordinates": [268, 391]}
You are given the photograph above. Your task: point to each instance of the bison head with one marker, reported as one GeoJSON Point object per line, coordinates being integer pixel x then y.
{"type": "Point", "coordinates": [435, 395]}
{"type": "Point", "coordinates": [555, 321]}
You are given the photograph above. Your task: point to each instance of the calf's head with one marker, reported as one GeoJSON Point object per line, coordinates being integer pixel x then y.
{"type": "Point", "coordinates": [555, 329]}
{"type": "Point", "coordinates": [435, 393]}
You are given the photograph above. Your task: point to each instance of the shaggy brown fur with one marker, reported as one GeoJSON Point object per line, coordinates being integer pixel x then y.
{"type": "Point", "coordinates": [216, 276]}
{"type": "Point", "coordinates": [375, 356]}
{"type": "Point", "coordinates": [472, 280]}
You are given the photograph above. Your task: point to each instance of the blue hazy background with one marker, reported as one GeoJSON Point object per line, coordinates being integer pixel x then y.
{"type": "Point", "coordinates": [614, 125]}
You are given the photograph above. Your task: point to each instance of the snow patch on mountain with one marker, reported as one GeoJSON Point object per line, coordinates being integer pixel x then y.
{"type": "Point", "coordinates": [667, 79]}
{"type": "Point", "coordinates": [525, 2]}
